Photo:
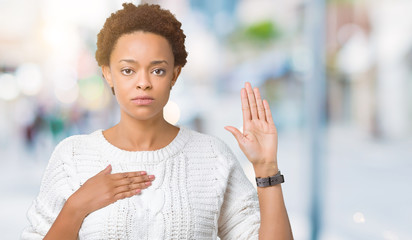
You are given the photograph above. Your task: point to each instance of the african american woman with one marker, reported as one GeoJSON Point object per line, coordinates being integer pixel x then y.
{"type": "Point", "coordinates": [145, 178]}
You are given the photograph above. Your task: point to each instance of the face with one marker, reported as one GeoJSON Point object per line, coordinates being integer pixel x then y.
{"type": "Point", "coordinates": [142, 73]}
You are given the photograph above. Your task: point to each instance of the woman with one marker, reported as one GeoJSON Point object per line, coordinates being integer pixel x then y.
{"type": "Point", "coordinates": [158, 181]}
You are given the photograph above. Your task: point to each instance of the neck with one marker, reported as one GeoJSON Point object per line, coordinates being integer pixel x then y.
{"type": "Point", "coordinates": [142, 135]}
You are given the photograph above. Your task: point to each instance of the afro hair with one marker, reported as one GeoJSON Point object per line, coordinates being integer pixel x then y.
{"type": "Point", "coordinates": [146, 18]}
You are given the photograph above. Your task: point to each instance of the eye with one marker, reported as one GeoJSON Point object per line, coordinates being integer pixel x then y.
{"type": "Point", "coordinates": [159, 71]}
{"type": "Point", "coordinates": [127, 71]}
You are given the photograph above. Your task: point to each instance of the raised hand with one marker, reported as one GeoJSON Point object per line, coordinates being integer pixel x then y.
{"type": "Point", "coordinates": [259, 138]}
{"type": "Point", "coordinates": [105, 188]}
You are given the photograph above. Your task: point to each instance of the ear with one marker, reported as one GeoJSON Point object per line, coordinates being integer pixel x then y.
{"type": "Point", "coordinates": [107, 75]}
{"type": "Point", "coordinates": [176, 73]}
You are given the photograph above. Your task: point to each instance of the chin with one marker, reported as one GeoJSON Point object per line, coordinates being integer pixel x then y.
{"type": "Point", "coordinates": [143, 115]}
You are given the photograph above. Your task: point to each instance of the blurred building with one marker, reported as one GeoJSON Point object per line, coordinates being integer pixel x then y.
{"type": "Point", "coordinates": [51, 87]}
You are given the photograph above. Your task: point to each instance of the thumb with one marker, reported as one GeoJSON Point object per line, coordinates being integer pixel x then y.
{"type": "Point", "coordinates": [106, 171]}
{"type": "Point", "coordinates": [236, 133]}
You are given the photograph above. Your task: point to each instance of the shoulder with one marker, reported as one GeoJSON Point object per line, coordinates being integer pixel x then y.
{"type": "Point", "coordinates": [211, 156]}
{"type": "Point", "coordinates": [74, 142]}
{"type": "Point", "coordinates": [212, 144]}
{"type": "Point", "coordinates": [207, 139]}
{"type": "Point", "coordinates": [63, 160]}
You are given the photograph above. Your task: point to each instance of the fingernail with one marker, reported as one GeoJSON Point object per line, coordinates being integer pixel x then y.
{"type": "Point", "coordinates": [151, 177]}
{"type": "Point", "coordinates": [148, 183]}
{"type": "Point", "coordinates": [142, 173]}
{"type": "Point", "coordinates": [138, 191]}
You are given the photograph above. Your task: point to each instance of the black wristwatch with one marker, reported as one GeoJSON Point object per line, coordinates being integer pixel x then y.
{"type": "Point", "coordinates": [270, 181]}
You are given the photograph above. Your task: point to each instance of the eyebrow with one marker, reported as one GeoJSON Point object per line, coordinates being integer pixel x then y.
{"type": "Point", "coordinates": [158, 62]}
{"type": "Point", "coordinates": [128, 60]}
{"type": "Point", "coordinates": [151, 63]}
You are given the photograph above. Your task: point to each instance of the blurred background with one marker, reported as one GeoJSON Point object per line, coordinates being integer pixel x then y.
{"type": "Point", "coordinates": [337, 75]}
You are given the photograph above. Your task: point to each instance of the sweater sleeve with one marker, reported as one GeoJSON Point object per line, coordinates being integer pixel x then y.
{"type": "Point", "coordinates": [56, 187]}
{"type": "Point", "coordinates": [239, 215]}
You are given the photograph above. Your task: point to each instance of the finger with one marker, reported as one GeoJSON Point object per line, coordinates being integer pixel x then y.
{"type": "Point", "coordinates": [245, 107]}
{"type": "Point", "coordinates": [259, 103]}
{"type": "Point", "coordinates": [131, 180]}
{"type": "Point", "coordinates": [131, 187]}
{"type": "Point", "coordinates": [268, 112]}
{"type": "Point", "coordinates": [122, 175]}
{"type": "Point", "coordinates": [106, 171]}
{"type": "Point", "coordinates": [252, 100]}
{"type": "Point", "coordinates": [236, 133]}
{"type": "Point", "coordinates": [123, 195]}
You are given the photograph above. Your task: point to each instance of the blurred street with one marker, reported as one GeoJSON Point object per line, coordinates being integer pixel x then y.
{"type": "Point", "coordinates": [337, 75]}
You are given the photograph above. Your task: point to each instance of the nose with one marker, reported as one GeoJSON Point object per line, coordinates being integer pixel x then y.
{"type": "Point", "coordinates": [143, 81]}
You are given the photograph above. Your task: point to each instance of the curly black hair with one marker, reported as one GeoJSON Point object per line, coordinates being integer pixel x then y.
{"type": "Point", "coordinates": [146, 18]}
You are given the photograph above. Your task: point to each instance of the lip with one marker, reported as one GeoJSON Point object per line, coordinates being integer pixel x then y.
{"type": "Point", "coordinates": [142, 100]}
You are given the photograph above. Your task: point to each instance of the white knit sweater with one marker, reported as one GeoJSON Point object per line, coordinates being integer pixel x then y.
{"type": "Point", "coordinates": [200, 191]}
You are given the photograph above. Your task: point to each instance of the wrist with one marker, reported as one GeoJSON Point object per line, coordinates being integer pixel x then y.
{"type": "Point", "coordinates": [76, 209]}
{"type": "Point", "coordinates": [265, 169]}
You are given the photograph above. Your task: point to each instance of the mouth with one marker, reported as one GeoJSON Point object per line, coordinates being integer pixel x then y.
{"type": "Point", "coordinates": [142, 100]}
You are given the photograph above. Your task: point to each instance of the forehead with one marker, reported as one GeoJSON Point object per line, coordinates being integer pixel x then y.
{"type": "Point", "coordinates": [142, 46]}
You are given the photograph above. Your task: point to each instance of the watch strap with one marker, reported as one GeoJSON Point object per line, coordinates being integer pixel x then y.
{"type": "Point", "coordinates": [270, 181]}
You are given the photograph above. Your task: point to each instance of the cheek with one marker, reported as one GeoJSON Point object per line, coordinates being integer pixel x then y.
{"type": "Point", "coordinates": [165, 91]}
{"type": "Point", "coordinates": [121, 82]}
{"type": "Point", "coordinates": [162, 91]}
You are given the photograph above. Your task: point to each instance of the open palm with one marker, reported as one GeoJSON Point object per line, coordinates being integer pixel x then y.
{"type": "Point", "coordinates": [259, 138]}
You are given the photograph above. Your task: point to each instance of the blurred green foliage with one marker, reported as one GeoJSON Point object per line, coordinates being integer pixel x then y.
{"type": "Point", "coordinates": [258, 34]}
{"type": "Point", "coordinates": [262, 31]}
